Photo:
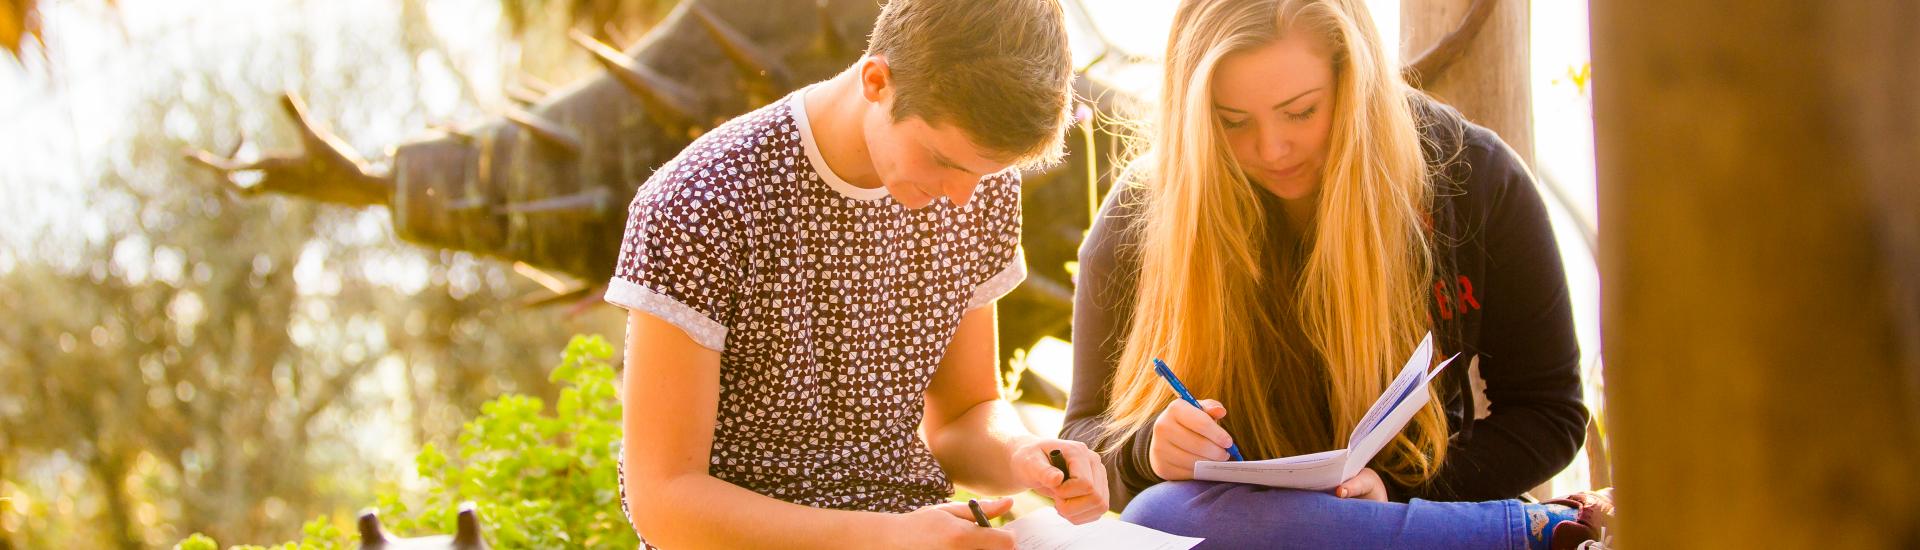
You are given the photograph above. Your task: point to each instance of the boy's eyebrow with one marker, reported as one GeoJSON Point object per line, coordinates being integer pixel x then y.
{"type": "Point", "coordinates": [1282, 104]}
{"type": "Point", "coordinates": [947, 162]}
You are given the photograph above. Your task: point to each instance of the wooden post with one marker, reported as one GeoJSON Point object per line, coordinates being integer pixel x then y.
{"type": "Point", "coordinates": [1761, 202]}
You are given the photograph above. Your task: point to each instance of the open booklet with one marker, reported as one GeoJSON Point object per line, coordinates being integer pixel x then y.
{"type": "Point", "coordinates": [1044, 529]}
{"type": "Point", "coordinates": [1326, 470]}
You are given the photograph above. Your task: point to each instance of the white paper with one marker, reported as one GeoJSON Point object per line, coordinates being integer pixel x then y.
{"type": "Point", "coordinates": [1044, 529]}
{"type": "Point", "coordinates": [1317, 471]}
{"type": "Point", "coordinates": [1326, 470]}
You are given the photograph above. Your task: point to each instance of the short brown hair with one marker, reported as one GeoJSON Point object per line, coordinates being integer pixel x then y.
{"type": "Point", "coordinates": [1000, 70]}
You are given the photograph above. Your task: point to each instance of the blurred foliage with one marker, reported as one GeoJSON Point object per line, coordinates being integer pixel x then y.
{"type": "Point", "coordinates": [538, 17]}
{"type": "Point", "coordinates": [19, 21]}
{"type": "Point", "coordinates": [538, 31]}
{"type": "Point", "coordinates": [1580, 76]}
{"type": "Point", "coordinates": [178, 358]}
{"type": "Point", "coordinates": [539, 480]}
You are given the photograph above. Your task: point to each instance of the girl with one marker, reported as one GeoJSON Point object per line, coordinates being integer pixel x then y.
{"type": "Point", "coordinates": [1297, 219]}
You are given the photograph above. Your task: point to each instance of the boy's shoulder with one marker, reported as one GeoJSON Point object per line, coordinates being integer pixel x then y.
{"type": "Point", "coordinates": [719, 168]}
{"type": "Point", "coordinates": [999, 196]}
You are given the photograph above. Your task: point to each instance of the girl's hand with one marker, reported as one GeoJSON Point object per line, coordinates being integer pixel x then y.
{"type": "Point", "coordinates": [1183, 435]}
{"type": "Point", "coordinates": [1365, 485]}
{"type": "Point", "coordinates": [1080, 498]}
{"type": "Point", "coordinates": [949, 525]}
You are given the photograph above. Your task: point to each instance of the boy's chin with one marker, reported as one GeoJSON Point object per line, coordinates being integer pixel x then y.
{"type": "Point", "coordinates": [911, 198]}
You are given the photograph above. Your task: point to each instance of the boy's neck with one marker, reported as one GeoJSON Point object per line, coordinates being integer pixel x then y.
{"type": "Point", "coordinates": [834, 111]}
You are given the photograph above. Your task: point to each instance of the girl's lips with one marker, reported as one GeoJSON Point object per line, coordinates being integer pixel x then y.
{"type": "Point", "coordinates": [1287, 173]}
{"type": "Point", "coordinates": [1272, 175]}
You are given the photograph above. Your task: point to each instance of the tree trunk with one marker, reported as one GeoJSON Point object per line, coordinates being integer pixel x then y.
{"type": "Point", "coordinates": [7, 503]}
{"type": "Point", "coordinates": [1489, 80]}
{"type": "Point", "coordinates": [1761, 313]}
{"type": "Point", "coordinates": [110, 469]}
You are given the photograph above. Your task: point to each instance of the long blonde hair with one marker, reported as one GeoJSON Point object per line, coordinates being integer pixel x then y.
{"type": "Point", "coordinates": [1296, 369]}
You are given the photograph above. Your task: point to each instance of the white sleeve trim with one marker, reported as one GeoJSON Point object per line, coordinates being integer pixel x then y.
{"type": "Point", "coordinates": [1001, 283]}
{"type": "Point", "coordinates": [704, 330]}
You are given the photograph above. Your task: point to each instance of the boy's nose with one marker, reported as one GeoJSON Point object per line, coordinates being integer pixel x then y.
{"type": "Point", "coordinates": [961, 190]}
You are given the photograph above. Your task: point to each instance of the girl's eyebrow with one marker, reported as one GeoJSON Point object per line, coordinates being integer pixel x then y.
{"type": "Point", "coordinates": [1282, 104]}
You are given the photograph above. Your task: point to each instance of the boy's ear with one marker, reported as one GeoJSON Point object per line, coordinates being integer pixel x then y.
{"type": "Point", "coordinates": [876, 79]}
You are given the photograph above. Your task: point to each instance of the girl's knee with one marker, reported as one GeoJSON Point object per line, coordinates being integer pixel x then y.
{"type": "Point", "coordinates": [1168, 506]}
{"type": "Point", "coordinates": [1232, 515]}
{"type": "Point", "coordinates": [1180, 504]}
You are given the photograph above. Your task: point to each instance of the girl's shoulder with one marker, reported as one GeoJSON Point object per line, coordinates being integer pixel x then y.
{"type": "Point", "coordinates": [1471, 168]}
{"type": "Point", "coordinates": [1109, 244]}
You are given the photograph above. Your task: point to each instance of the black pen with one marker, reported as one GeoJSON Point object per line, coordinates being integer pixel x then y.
{"type": "Point", "coordinates": [978, 516]}
{"type": "Point", "coordinates": [1058, 461]}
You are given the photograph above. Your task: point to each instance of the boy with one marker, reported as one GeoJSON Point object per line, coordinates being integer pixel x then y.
{"type": "Point", "coordinates": [811, 346]}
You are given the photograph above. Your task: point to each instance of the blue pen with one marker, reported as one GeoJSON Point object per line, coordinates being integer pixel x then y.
{"type": "Point", "coordinates": [1181, 389]}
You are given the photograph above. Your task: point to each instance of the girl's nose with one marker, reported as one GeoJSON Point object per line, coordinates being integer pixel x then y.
{"type": "Point", "coordinates": [1274, 144]}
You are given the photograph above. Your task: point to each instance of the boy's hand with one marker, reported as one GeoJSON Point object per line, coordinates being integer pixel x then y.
{"type": "Point", "coordinates": [949, 525]}
{"type": "Point", "coordinates": [1080, 498]}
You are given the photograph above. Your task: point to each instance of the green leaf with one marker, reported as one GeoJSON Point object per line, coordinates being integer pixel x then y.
{"type": "Point", "coordinates": [197, 541]}
{"type": "Point", "coordinates": [539, 480]}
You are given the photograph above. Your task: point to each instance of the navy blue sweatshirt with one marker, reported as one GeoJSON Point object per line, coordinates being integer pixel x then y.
{"type": "Point", "coordinates": [1499, 295]}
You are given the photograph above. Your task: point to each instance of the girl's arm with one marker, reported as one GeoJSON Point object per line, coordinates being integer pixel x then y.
{"type": "Point", "coordinates": [672, 398]}
{"type": "Point", "coordinates": [1102, 309]}
{"type": "Point", "coordinates": [1528, 353]}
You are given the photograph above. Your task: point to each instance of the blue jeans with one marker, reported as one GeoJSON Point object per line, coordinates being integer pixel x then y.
{"type": "Point", "coordinates": [1233, 515]}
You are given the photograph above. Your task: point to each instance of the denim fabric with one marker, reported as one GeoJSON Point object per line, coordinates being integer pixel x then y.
{"type": "Point", "coordinates": [1233, 515]}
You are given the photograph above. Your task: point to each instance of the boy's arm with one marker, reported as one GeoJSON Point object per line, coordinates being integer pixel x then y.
{"type": "Point", "coordinates": [979, 439]}
{"type": "Point", "coordinates": [672, 398]}
{"type": "Point", "coordinates": [971, 430]}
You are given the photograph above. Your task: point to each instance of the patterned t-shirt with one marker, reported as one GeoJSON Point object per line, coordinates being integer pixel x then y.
{"type": "Point", "coordinates": [831, 306]}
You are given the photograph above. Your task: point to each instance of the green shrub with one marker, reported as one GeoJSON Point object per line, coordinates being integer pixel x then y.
{"type": "Point", "coordinates": [539, 480]}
